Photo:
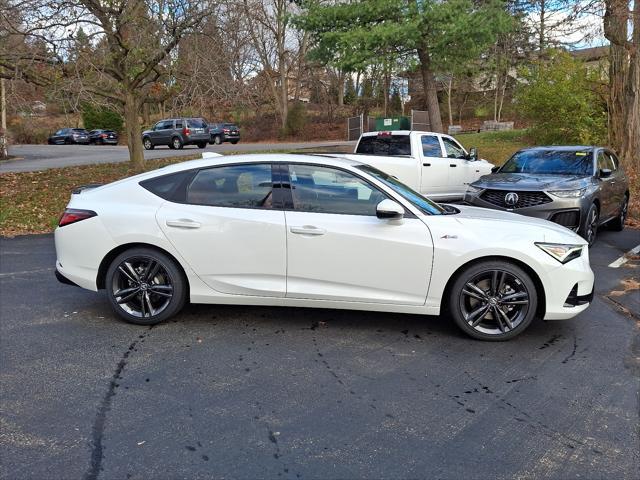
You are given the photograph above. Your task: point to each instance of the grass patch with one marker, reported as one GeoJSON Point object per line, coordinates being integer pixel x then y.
{"type": "Point", "coordinates": [496, 147]}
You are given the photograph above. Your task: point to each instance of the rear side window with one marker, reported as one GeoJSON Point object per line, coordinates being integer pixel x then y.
{"type": "Point", "coordinates": [389, 145]}
{"type": "Point", "coordinates": [237, 186]}
{"type": "Point", "coordinates": [431, 146]}
{"type": "Point", "coordinates": [170, 187]}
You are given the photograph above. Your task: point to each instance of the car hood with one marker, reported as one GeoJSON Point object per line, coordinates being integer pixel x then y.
{"type": "Point", "coordinates": [498, 220]}
{"type": "Point", "coordinates": [530, 181]}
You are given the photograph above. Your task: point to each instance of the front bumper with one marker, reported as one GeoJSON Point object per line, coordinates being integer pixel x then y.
{"type": "Point", "coordinates": [563, 211]}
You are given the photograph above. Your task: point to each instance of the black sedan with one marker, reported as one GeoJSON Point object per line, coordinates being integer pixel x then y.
{"type": "Point", "coordinates": [69, 135]}
{"type": "Point", "coordinates": [579, 187]}
{"type": "Point", "coordinates": [103, 137]}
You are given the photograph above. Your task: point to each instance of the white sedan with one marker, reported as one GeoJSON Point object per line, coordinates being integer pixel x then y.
{"type": "Point", "coordinates": [313, 231]}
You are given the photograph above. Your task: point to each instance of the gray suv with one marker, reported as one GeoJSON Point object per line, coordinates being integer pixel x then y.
{"type": "Point", "coordinates": [578, 187]}
{"type": "Point", "coordinates": [176, 133]}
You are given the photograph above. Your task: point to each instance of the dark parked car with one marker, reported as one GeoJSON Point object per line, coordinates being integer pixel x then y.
{"type": "Point", "coordinates": [579, 187]}
{"type": "Point", "coordinates": [103, 137]}
{"type": "Point", "coordinates": [69, 135]}
{"type": "Point", "coordinates": [176, 133]}
{"type": "Point", "coordinates": [224, 132]}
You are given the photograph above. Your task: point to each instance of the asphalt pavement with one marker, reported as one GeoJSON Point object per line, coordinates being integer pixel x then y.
{"type": "Point", "coordinates": [41, 157]}
{"type": "Point", "coordinates": [256, 392]}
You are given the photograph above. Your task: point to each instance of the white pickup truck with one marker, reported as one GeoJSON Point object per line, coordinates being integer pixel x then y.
{"type": "Point", "coordinates": [434, 164]}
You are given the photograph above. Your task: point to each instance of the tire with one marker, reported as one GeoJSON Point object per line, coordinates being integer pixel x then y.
{"type": "Point", "coordinates": [147, 143]}
{"type": "Point", "coordinates": [493, 286]}
{"type": "Point", "coordinates": [165, 292]}
{"type": "Point", "coordinates": [176, 143]}
{"type": "Point", "coordinates": [589, 231]}
{"type": "Point", "coordinates": [233, 142]}
{"type": "Point", "coordinates": [202, 145]}
{"type": "Point", "coordinates": [217, 139]}
{"type": "Point", "coordinates": [617, 224]}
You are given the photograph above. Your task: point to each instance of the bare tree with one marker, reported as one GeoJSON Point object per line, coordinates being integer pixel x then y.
{"type": "Point", "coordinates": [132, 44]}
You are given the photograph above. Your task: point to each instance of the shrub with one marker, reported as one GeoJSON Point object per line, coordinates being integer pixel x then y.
{"type": "Point", "coordinates": [558, 97]}
{"type": "Point", "coordinates": [95, 117]}
{"type": "Point", "coordinates": [296, 119]}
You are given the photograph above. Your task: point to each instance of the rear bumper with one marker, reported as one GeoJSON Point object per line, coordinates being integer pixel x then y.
{"type": "Point", "coordinates": [197, 138]}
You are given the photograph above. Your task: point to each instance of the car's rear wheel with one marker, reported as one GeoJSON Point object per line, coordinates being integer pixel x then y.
{"type": "Point", "coordinates": [148, 144]}
{"type": "Point", "coordinates": [233, 142]}
{"type": "Point", "coordinates": [493, 300]}
{"type": "Point", "coordinates": [589, 230]}
{"type": "Point", "coordinates": [217, 139]}
{"type": "Point", "coordinates": [176, 143]}
{"type": "Point", "coordinates": [145, 286]}
{"type": "Point", "coordinates": [617, 223]}
{"type": "Point", "coordinates": [202, 145]}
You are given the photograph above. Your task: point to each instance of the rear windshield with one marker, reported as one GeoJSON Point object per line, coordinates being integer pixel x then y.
{"type": "Point", "coordinates": [79, 130]}
{"type": "Point", "coordinates": [551, 162]}
{"type": "Point", "coordinates": [388, 145]}
{"type": "Point", "coordinates": [197, 123]}
{"type": "Point", "coordinates": [229, 125]}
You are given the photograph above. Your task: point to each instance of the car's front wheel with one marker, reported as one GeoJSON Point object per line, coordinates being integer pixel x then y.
{"type": "Point", "coordinates": [590, 228]}
{"type": "Point", "coordinates": [145, 286]}
{"type": "Point", "coordinates": [493, 300]}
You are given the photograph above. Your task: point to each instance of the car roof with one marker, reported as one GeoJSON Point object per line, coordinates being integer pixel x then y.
{"type": "Point", "coordinates": [329, 160]}
{"type": "Point", "coordinates": [562, 148]}
{"type": "Point", "coordinates": [400, 132]}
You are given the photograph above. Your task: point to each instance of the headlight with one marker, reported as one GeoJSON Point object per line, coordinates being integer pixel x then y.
{"type": "Point", "coordinates": [569, 193]}
{"type": "Point", "coordinates": [560, 251]}
{"type": "Point", "coordinates": [473, 190]}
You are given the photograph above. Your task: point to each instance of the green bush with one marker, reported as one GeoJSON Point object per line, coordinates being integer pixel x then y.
{"type": "Point", "coordinates": [97, 117]}
{"type": "Point", "coordinates": [296, 120]}
{"type": "Point", "coordinates": [558, 96]}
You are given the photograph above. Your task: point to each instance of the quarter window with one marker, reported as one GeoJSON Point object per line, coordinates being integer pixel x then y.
{"type": "Point", "coordinates": [238, 186]}
{"type": "Point", "coordinates": [431, 146]}
{"type": "Point", "coordinates": [453, 149]}
{"type": "Point", "coordinates": [329, 190]}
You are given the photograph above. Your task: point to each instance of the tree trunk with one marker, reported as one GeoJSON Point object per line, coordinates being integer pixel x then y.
{"type": "Point", "coordinates": [430, 91]}
{"type": "Point", "coordinates": [340, 88]}
{"type": "Point", "coordinates": [4, 153]}
{"type": "Point", "coordinates": [541, 31]}
{"type": "Point", "coordinates": [449, 92]}
{"type": "Point", "coordinates": [132, 127]}
{"type": "Point", "coordinates": [146, 117]}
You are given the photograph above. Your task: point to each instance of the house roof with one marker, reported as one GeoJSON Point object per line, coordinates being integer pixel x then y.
{"type": "Point", "coordinates": [592, 53]}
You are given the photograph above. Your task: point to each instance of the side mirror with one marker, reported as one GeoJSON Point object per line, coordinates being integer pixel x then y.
{"type": "Point", "coordinates": [604, 173]}
{"type": "Point", "coordinates": [473, 154]}
{"type": "Point", "coordinates": [389, 210]}
{"type": "Point", "coordinates": [495, 169]}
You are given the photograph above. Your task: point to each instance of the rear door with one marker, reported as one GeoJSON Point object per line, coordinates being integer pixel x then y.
{"type": "Point", "coordinates": [338, 249]}
{"type": "Point", "coordinates": [618, 182]}
{"type": "Point", "coordinates": [229, 230]}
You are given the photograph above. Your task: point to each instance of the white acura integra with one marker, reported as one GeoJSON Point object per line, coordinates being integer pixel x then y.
{"type": "Point", "coordinates": [312, 231]}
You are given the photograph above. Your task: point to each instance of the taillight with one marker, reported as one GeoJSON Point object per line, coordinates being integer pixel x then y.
{"type": "Point", "coordinates": [225, 130]}
{"type": "Point", "coordinates": [73, 215]}
{"type": "Point", "coordinates": [186, 131]}
{"type": "Point", "coordinates": [103, 135]}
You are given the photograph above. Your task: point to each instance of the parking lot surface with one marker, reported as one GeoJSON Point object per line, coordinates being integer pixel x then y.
{"type": "Point", "coordinates": [255, 392]}
{"type": "Point", "coordinates": [41, 157]}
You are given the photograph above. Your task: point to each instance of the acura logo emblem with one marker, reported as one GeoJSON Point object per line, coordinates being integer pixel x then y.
{"type": "Point", "coordinates": [511, 199]}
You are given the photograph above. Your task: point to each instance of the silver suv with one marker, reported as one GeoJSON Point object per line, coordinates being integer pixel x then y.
{"type": "Point", "coordinates": [176, 133]}
{"type": "Point", "coordinates": [578, 187]}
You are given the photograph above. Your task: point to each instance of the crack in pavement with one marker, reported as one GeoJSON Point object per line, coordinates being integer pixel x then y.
{"type": "Point", "coordinates": [97, 430]}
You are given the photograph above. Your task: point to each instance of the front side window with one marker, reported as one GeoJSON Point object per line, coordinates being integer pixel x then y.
{"type": "Point", "coordinates": [613, 161]}
{"type": "Point", "coordinates": [605, 162]}
{"type": "Point", "coordinates": [321, 189]}
{"type": "Point", "coordinates": [237, 186]}
{"type": "Point", "coordinates": [453, 149]}
{"type": "Point", "coordinates": [431, 146]}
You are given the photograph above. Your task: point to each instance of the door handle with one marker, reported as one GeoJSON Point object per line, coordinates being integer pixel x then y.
{"type": "Point", "coordinates": [307, 230]}
{"type": "Point", "coordinates": [426, 164]}
{"type": "Point", "coordinates": [453, 165]}
{"type": "Point", "coordinates": [183, 223]}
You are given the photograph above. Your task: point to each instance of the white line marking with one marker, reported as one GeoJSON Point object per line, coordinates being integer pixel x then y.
{"type": "Point", "coordinates": [625, 258]}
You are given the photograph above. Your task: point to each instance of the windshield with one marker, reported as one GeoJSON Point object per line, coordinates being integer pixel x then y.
{"type": "Point", "coordinates": [550, 162]}
{"type": "Point", "coordinates": [424, 204]}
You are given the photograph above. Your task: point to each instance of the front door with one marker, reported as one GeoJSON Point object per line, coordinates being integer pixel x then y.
{"type": "Point", "coordinates": [435, 168]}
{"type": "Point", "coordinates": [459, 172]}
{"type": "Point", "coordinates": [337, 248]}
{"type": "Point", "coordinates": [229, 230]}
